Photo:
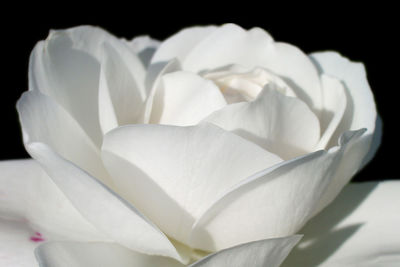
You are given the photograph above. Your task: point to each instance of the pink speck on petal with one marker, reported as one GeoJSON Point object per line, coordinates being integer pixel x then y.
{"type": "Point", "coordinates": [37, 237]}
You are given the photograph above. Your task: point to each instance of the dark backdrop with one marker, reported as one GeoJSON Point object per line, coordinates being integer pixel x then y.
{"type": "Point", "coordinates": [366, 37]}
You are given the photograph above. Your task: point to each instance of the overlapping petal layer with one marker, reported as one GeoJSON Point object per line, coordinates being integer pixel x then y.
{"type": "Point", "coordinates": [230, 44]}
{"type": "Point", "coordinates": [290, 191]}
{"type": "Point", "coordinates": [121, 94]}
{"type": "Point", "coordinates": [34, 210]}
{"type": "Point", "coordinates": [360, 107]}
{"type": "Point", "coordinates": [240, 84]}
{"type": "Point", "coordinates": [335, 101]}
{"type": "Point", "coordinates": [280, 124]}
{"type": "Point", "coordinates": [184, 169]}
{"type": "Point", "coordinates": [100, 206]}
{"type": "Point", "coordinates": [184, 98]}
{"type": "Point", "coordinates": [66, 66]}
{"type": "Point", "coordinates": [44, 120]}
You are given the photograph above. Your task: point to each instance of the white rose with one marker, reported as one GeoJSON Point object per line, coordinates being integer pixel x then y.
{"type": "Point", "coordinates": [230, 142]}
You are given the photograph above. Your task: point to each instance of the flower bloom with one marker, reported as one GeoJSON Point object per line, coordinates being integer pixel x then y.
{"type": "Point", "coordinates": [214, 147]}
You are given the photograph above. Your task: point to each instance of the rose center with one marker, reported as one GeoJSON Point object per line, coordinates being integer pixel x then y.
{"type": "Point", "coordinates": [240, 84]}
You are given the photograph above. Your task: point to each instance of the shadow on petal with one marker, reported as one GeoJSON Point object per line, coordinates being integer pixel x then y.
{"type": "Point", "coordinates": [322, 237]}
{"type": "Point", "coordinates": [312, 252]}
{"type": "Point", "coordinates": [146, 54]}
{"type": "Point", "coordinates": [285, 151]}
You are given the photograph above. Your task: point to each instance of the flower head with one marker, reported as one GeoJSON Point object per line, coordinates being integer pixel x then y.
{"type": "Point", "coordinates": [218, 141]}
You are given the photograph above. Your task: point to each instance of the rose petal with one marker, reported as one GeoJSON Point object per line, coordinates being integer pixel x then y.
{"type": "Point", "coordinates": [183, 168]}
{"type": "Point", "coordinates": [66, 66]}
{"type": "Point", "coordinates": [180, 44]}
{"type": "Point", "coordinates": [121, 95]}
{"type": "Point", "coordinates": [280, 124]}
{"type": "Point", "coordinates": [15, 247]}
{"type": "Point", "coordinates": [230, 44]}
{"type": "Point", "coordinates": [360, 228]}
{"type": "Point", "coordinates": [183, 98]}
{"type": "Point", "coordinates": [32, 211]}
{"type": "Point", "coordinates": [335, 100]}
{"type": "Point", "coordinates": [28, 196]}
{"type": "Point", "coordinates": [103, 208]}
{"type": "Point", "coordinates": [268, 252]}
{"type": "Point", "coordinates": [144, 47]}
{"type": "Point", "coordinates": [94, 254]}
{"type": "Point", "coordinates": [360, 111]}
{"type": "Point", "coordinates": [289, 194]}
{"type": "Point", "coordinates": [43, 120]}
{"type": "Point", "coordinates": [353, 156]}
{"type": "Point", "coordinates": [153, 79]}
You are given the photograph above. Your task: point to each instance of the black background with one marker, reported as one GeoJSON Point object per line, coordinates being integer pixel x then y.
{"type": "Point", "coordinates": [363, 36]}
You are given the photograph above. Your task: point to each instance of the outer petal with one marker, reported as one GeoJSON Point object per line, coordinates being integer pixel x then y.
{"type": "Point", "coordinates": [268, 252]}
{"type": "Point", "coordinates": [33, 210]}
{"type": "Point", "coordinates": [94, 254]}
{"type": "Point", "coordinates": [351, 162]}
{"type": "Point", "coordinates": [289, 192]}
{"type": "Point", "coordinates": [360, 228]}
{"type": "Point", "coordinates": [43, 120]}
{"type": "Point", "coordinates": [63, 67]}
{"type": "Point", "coordinates": [66, 66]}
{"type": "Point", "coordinates": [335, 100]}
{"type": "Point", "coordinates": [181, 43]}
{"type": "Point", "coordinates": [360, 111]}
{"type": "Point", "coordinates": [121, 96]}
{"type": "Point", "coordinates": [184, 168]}
{"type": "Point", "coordinates": [283, 125]}
{"type": "Point", "coordinates": [109, 213]}
{"type": "Point", "coordinates": [184, 99]}
{"type": "Point", "coordinates": [144, 46]}
{"type": "Point", "coordinates": [230, 44]}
